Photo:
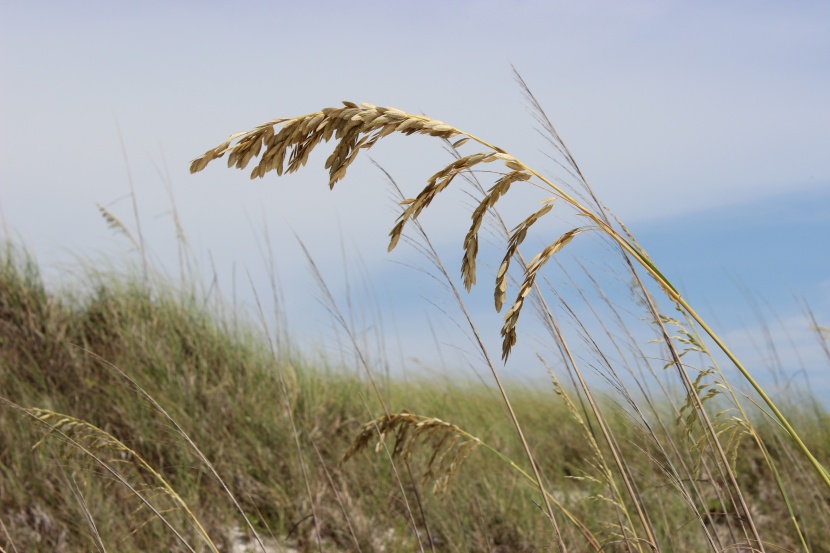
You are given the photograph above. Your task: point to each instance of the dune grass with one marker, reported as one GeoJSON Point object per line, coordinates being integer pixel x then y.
{"type": "Point", "coordinates": [221, 383]}
{"type": "Point", "coordinates": [139, 416]}
{"type": "Point", "coordinates": [222, 387]}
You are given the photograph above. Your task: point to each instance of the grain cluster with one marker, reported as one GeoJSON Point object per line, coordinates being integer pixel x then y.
{"type": "Point", "coordinates": [449, 445]}
{"type": "Point", "coordinates": [284, 145]}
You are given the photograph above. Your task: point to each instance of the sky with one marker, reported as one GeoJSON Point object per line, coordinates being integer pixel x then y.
{"type": "Point", "coordinates": [704, 126]}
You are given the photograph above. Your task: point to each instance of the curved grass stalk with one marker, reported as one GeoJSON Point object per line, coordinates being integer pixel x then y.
{"type": "Point", "coordinates": [356, 127]}
{"type": "Point", "coordinates": [89, 440]}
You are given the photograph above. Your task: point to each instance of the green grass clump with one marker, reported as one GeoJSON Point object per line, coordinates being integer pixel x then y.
{"type": "Point", "coordinates": [222, 384]}
{"type": "Point", "coordinates": [222, 387]}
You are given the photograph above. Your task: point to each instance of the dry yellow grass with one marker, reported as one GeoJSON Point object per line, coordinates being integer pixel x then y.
{"type": "Point", "coordinates": [450, 445]}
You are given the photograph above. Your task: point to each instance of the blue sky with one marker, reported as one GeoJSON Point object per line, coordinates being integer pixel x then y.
{"type": "Point", "coordinates": [705, 126]}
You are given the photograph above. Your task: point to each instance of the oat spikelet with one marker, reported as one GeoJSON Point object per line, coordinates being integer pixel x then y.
{"type": "Point", "coordinates": [468, 263]}
{"type": "Point", "coordinates": [439, 182]}
{"type": "Point", "coordinates": [449, 444]}
{"type": "Point", "coordinates": [517, 236]}
{"type": "Point", "coordinates": [286, 143]}
{"type": "Point", "coordinates": [116, 224]}
{"type": "Point", "coordinates": [508, 331]}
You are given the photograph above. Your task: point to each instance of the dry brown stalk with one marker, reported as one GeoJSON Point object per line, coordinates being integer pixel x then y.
{"type": "Point", "coordinates": [508, 331]}
{"type": "Point", "coordinates": [468, 265]}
